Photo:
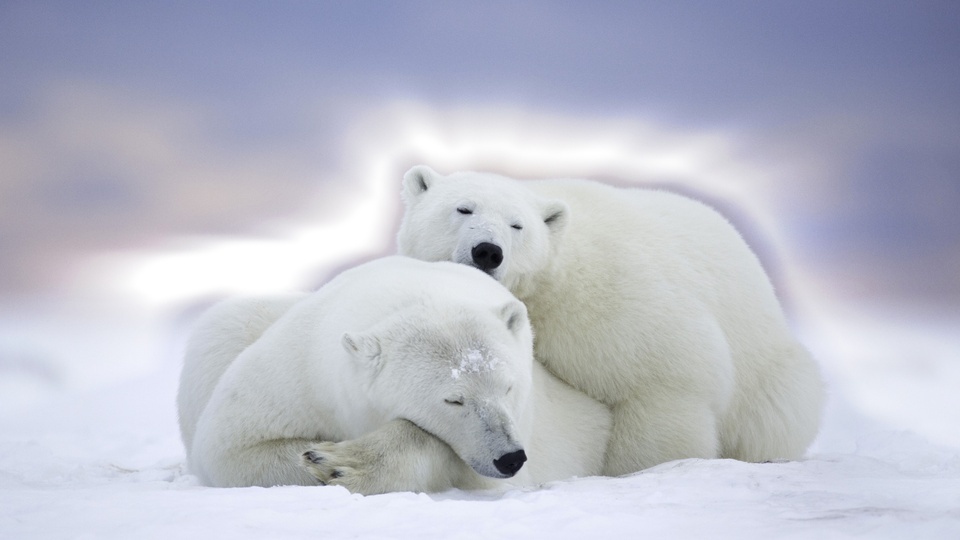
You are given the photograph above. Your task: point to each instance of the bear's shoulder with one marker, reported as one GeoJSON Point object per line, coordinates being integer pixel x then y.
{"type": "Point", "coordinates": [637, 208]}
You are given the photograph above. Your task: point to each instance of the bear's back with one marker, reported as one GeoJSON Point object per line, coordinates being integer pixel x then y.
{"type": "Point", "coordinates": [370, 292]}
{"type": "Point", "coordinates": [657, 236]}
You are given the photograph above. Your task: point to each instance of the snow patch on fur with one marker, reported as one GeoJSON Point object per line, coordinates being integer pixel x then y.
{"type": "Point", "coordinates": [474, 361]}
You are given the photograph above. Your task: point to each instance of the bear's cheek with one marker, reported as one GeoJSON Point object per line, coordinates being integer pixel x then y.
{"type": "Point", "coordinates": [462, 253]}
{"type": "Point", "coordinates": [531, 252]}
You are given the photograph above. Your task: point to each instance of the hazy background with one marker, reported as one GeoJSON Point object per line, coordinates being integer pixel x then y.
{"type": "Point", "coordinates": [156, 156]}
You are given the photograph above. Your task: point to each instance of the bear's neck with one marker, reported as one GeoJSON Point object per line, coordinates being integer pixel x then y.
{"type": "Point", "coordinates": [528, 286]}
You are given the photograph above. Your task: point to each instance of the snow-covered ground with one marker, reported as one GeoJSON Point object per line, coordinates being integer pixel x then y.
{"type": "Point", "coordinates": [98, 455]}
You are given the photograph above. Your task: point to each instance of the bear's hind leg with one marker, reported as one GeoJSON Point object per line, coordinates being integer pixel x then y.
{"type": "Point", "coordinates": [647, 434]}
{"type": "Point", "coordinates": [777, 415]}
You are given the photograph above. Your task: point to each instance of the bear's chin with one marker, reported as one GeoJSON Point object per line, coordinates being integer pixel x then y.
{"type": "Point", "coordinates": [490, 471]}
{"type": "Point", "coordinates": [495, 273]}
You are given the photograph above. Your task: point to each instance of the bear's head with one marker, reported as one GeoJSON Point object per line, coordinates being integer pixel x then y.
{"type": "Point", "coordinates": [461, 373]}
{"type": "Point", "coordinates": [483, 220]}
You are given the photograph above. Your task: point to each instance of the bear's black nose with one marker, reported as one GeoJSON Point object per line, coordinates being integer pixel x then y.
{"type": "Point", "coordinates": [487, 256]}
{"type": "Point", "coordinates": [509, 464]}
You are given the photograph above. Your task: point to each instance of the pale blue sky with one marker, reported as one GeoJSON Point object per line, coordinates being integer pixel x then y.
{"type": "Point", "coordinates": [869, 87]}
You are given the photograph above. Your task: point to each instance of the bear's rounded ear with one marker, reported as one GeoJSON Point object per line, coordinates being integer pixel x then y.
{"type": "Point", "coordinates": [514, 315]}
{"type": "Point", "coordinates": [417, 181]}
{"type": "Point", "coordinates": [362, 347]}
{"type": "Point", "coordinates": [556, 215]}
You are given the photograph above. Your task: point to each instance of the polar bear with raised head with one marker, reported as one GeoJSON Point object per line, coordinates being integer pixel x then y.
{"type": "Point", "coordinates": [647, 301]}
{"type": "Point", "coordinates": [396, 375]}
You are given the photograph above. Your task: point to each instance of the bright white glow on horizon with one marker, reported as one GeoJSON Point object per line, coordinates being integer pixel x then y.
{"type": "Point", "coordinates": [234, 266]}
{"type": "Point", "coordinates": [383, 143]}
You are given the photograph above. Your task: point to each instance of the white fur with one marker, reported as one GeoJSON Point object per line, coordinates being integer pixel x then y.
{"type": "Point", "coordinates": [396, 375]}
{"type": "Point", "coordinates": [647, 301]}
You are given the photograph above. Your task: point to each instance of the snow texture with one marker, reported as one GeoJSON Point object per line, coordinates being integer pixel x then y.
{"type": "Point", "coordinates": [108, 463]}
{"type": "Point", "coordinates": [474, 361]}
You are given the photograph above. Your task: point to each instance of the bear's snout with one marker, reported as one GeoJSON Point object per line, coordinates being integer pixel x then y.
{"type": "Point", "coordinates": [509, 464]}
{"type": "Point", "coordinates": [487, 256]}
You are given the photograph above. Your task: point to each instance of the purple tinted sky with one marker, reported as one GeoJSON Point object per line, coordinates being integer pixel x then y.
{"type": "Point", "coordinates": [780, 74]}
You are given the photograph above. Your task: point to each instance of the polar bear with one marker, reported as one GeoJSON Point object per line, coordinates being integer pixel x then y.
{"type": "Point", "coordinates": [397, 375]}
{"type": "Point", "coordinates": [647, 301]}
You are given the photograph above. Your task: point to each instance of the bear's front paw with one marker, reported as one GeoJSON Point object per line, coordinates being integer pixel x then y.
{"type": "Point", "coordinates": [334, 465]}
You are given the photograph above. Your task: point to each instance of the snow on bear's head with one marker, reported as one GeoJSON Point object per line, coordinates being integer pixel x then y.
{"type": "Point", "coordinates": [461, 374]}
{"type": "Point", "coordinates": [483, 220]}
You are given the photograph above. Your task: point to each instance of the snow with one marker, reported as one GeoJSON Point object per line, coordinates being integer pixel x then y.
{"type": "Point", "coordinates": [105, 461]}
{"type": "Point", "coordinates": [474, 361]}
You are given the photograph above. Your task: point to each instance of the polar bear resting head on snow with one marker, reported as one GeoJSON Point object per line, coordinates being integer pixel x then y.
{"type": "Point", "coordinates": [396, 375]}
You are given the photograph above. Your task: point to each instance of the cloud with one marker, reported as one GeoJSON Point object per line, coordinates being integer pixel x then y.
{"type": "Point", "coordinates": [91, 167]}
{"type": "Point", "coordinates": [96, 169]}
{"type": "Point", "coordinates": [382, 142]}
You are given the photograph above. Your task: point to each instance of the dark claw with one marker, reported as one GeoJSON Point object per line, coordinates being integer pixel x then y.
{"type": "Point", "coordinates": [313, 457]}
{"type": "Point", "coordinates": [336, 474]}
